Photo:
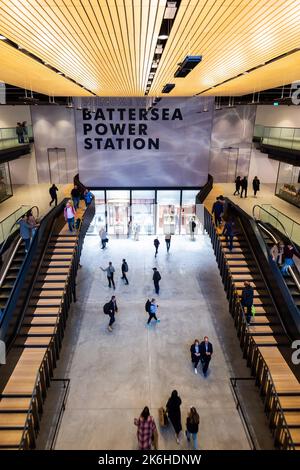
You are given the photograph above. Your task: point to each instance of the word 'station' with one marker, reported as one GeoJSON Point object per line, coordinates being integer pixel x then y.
{"type": "Point", "coordinates": [116, 129]}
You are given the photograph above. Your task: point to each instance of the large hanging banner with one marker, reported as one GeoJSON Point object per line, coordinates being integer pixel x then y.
{"type": "Point", "coordinates": [129, 142]}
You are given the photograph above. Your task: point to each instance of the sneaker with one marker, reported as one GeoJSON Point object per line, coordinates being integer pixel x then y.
{"type": "Point", "coordinates": [109, 328]}
{"type": "Point", "coordinates": [158, 320]}
{"type": "Point", "coordinates": [196, 372]}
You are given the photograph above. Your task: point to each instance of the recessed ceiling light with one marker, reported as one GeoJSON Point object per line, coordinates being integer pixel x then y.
{"type": "Point", "coordinates": [2, 38]}
{"type": "Point", "coordinates": [163, 37]}
{"type": "Point", "coordinates": [60, 73]}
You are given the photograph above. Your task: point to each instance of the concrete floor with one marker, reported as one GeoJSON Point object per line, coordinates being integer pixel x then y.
{"type": "Point", "coordinates": [114, 375]}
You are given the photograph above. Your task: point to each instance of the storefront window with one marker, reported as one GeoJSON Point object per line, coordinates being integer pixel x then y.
{"type": "Point", "coordinates": [98, 221]}
{"type": "Point", "coordinates": [118, 212]}
{"type": "Point", "coordinates": [188, 210]}
{"type": "Point", "coordinates": [168, 208]}
{"type": "Point", "coordinates": [143, 211]}
{"type": "Point", "coordinates": [5, 183]}
{"type": "Point", "coordinates": [288, 183]}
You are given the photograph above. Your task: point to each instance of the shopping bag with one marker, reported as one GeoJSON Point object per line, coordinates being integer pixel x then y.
{"type": "Point", "coordinates": [253, 311]}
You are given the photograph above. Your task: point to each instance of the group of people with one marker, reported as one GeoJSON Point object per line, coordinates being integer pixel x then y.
{"type": "Point", "coordinates": [147, 433]}
{"type": "Point", "coordinates": [242, 184]}
{"type": "Point", "coordinates": [156, 243]}
{"type": "Point", "coordinates": [22, 132]}
{"type": "Point", "coordinates": [76, 196]}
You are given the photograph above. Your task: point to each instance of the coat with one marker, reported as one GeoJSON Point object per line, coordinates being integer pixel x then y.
{"type": "Point", "coordinates": [174, 414]}
{"type": "Point", "coordinates": [247, 296]}
{"type": "Point", "coordinates": [255, 184]}
{"type": "Point", "coordinates": [156, 276]}
{"type": "Point", "coordinates": [203, 350]}
{"type": "Point", "coordinates": [193, 353]}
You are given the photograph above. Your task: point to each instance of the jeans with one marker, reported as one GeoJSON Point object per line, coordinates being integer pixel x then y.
{"type": "Point", "coordinates": [156, 251]}
{"type": "Point", "coordinates": [27, 244]}
{"type": "Point", "coordinates": [205, 363]}
{"type": "Point", "coordinates": [194, 437]}
{"type": "Point", "coordinates": [21, 138]}
{"type": "Point", "coordinates": [112, 318]}
{"type": "Point", "coordinates": [111, 281]}
{"type": "Point", "coordinates": [156, 286]}
{"type": "Point", "coordinates": [53, 199]}
{"type": "Point", "coordinates": [287, 262]}
{"type": "Point", "coordinates": [248, 312]}
{"type": "Point", "coordinates": [151, 315]}
{"type": "Point", "coordinates": [76, 201]}
{"type": "Point", "coordinates": [168, 244]}
{"type": "Point", "coordinates": [124, 277]}
{"type": "Point", "coordinates": [71, 224]}
{"type": "Point", "coordinates": [244, 190]}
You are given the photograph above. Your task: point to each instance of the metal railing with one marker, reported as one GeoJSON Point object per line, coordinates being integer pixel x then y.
{"type": "Point", "coordinates": [233, 383]}
{"type": "Point", "coordinates": [9, 221]}
{"type": "Point", "coordinates": [66, 386]}
{"type": "Point", "coordinates": [9, 137]}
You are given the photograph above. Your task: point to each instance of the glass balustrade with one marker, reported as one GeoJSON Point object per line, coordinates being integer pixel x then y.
{"type": "Point", "coordinates": [7, 223]}
{"type": "Point", "coordinates": [10, 138]}
{"type": "Point", "coordinates": [285, 137]}
{"type": "Point", "coordinates": [291, 226]}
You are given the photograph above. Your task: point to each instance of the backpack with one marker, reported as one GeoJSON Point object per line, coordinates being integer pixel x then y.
{"type": "Point", "coordinates": [147, 306]}
{"type": "Point", "coordinates": [106, 308]}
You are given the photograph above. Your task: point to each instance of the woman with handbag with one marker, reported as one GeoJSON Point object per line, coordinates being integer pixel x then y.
{"type": "Point", "coordinates": [146, 433]}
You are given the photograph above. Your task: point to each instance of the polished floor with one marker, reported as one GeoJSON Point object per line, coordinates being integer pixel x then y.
{"type": "Point", "coordinates": [114, 375]}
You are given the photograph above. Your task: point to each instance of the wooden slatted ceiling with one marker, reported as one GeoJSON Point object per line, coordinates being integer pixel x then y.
{"type": "Point", "coordinates": [108, 45]}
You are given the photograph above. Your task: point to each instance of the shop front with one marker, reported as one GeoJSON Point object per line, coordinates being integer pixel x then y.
{"type": "Point", "coordinates": [288, 183]}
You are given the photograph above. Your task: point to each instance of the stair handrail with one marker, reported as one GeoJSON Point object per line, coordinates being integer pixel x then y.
{"type": "Point", "coordinates": [15, 223]}
{"type": "Point", "coordinates": [280, 223]}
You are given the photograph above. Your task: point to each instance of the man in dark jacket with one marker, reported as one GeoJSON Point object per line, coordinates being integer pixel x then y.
{"type": "Point", "coordinates": [237, 185]}
{"type": "Point", "coordinates": [75, 193]}
{"type": "Point", "coordinates": [156, 278]}
{"type": "Point", "coordinates": [217, 210]}
{"type": "Point", "coordinates": [256, 185]}
{"type": "Point", "coordinates": [247, 300]}
{"type": "Point", "coordinates": [228, 232]}
{"type": "Point", "coordinates": [112, 308]}
{"type": "Point", "coordinates": [156, 243]}
{"type": "Point", "coordinates": [244, 186]}
{"type": "Point", "coordinates": [206, 351]}
{"type": "Point", "coordinates": [124, 269]}
{"type": "Point", "coordinates": [53, 193]}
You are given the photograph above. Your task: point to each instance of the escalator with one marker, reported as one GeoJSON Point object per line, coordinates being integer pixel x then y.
{"type": "Point", "coordinates": [12, 254]}
{"type": "Point", "coordinates": [273, 235]}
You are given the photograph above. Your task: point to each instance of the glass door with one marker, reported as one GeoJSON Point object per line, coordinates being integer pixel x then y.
{"type": "Point", "coordinates": [168, 203]}
{"type": "Point", "coordinates": [118, 211]}
{"type": "Point", "coordinates": [143, 211]}
{"type": "Point", "coordinates": [188, 211]}
{"type": "Point", "coordinates": [57, 165]}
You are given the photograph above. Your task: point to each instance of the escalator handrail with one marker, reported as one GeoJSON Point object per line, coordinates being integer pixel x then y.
{"type": "Point", "coordinates": [263, 277]}
{"type": "Point", "coordinates": [15, 223]}
{"type": "Point", "coordinates": [284, 230]}
{"type": "Point", "coordinates": [8, 264]}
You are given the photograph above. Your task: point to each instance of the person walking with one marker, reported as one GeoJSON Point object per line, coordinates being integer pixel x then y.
{"type": "Point", "coordinates": [69, 214]}
{"type": "Point", "coordinates": [174, 414]}
{"type": "Point", "coordinates": [129, 228]}
{"type": "Point", "coordinates": [88, 197]}
{"type": "Point", "coordinates": [156, 243]}
{"type": "Point", "coordinates": [228, 233]}
{"type": "Point", "coordinates": [206, 351]}
{"type": "Point", "coordinates": [255, 185]}
{"type": "Point", "coordinates": [25, 231]}
{"type": "Point", "coordinates": [110, 274]}
{"type": "Point", "coordinates": [110, 309]}
{"type": "Point", "coordinates": [237, 185]}
{"type": "Point", "coordinates": [156, 278]}
{"type": "Point", "coordinates": [217, 210]}
{"type": "Point", "coordinates": [53, 193]}
{"type": "Point", "coordinates": [168, 241]}
{"type": "Point", "coordinates": [192, 426]}
{"type": "Point", "coordinates": [193, 228]}
{"type": "Point", "coordinates": [124, 269]}
{"type": "Point", "coordinates": [151, 308]}
{"type": "Point", "coordinates": [103, 237]}
{"type": "Point", "coordinates": [247, 300]}
{"type": "Point", "coordinates": [146, 430]}
{"type": "Point", "coordinates": [288, 253]}
{"type": "Point", "coordinates": [75, 194]}
{"type": "Point", "coordinates": [244, 186]}
{"type": "Point", "coordinates": [195, 354]}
